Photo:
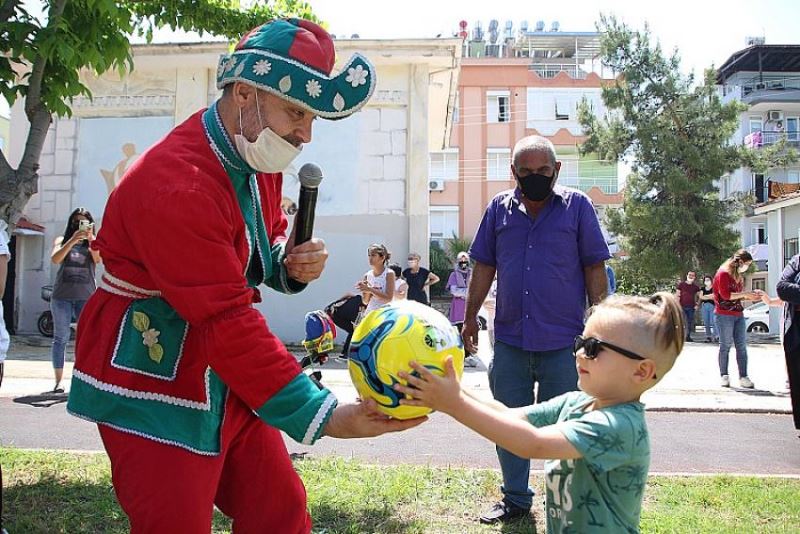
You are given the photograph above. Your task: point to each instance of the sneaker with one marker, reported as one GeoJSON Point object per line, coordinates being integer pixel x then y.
{"type": "Point", "coordinates": [725, 381]}
{"type": "Point", "coordinates": [504, 512]}
{"type": "Point", "coordinates": [746, 383]}
{"type": "Point", "coordinates": [470, 361]}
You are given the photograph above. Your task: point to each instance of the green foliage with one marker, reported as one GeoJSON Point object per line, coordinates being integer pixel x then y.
{"type": "Point", "coordinates": [677, 136]}
{"type": "Point", "coordinates": [442, 261]}
{"type": "Point", "coordinates": [48, 491]}
{"type": "Point", "coordinates": [632, 280]}
{"type": "Point", "coordinates": [441, 265]}
{"type": "Point", "coordinates": [94, 35]}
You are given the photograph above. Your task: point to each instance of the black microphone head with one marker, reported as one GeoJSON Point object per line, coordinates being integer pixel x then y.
{"type": "Point", "coordinates": [310, 175]}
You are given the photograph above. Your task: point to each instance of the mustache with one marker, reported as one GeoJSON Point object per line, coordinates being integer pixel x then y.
{"type": "Point", "coordinates": [293, 140]}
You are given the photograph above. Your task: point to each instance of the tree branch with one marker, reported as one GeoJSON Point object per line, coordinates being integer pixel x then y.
{"type": "Point", "coordinates": [7, 9]}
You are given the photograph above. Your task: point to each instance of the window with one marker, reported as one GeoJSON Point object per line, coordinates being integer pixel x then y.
{"type": "Point", "coordinates": [455, 109]}
{"type": "Point", "coordinates": [756, 124]}
{"type": "Point", "coordinates": [758, 234]}
{"type": "Point", "coordinates": [498, 106]}
{"type": "Point", "coordinates": [792, 130]}
{"type": "Point", "coordinates": [443, 222]}
{"type": "Point", "coordinates": [789, 249]}
{"type": "Point", "coordinates": [443, 165]}
{"type": "Point", "coordinates": [724, 187]}
{"type": "Point", "coordinates": [498, 164]}
{"type": "Point", "coordinates": [760, 189]}
{"type": "Point", "coordinates": [758, 283]}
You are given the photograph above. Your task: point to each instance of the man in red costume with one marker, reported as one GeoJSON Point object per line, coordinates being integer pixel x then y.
{"type": "Point", "coordinates": [187, 384]}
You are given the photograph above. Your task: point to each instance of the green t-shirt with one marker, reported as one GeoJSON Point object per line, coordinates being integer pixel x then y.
{"type": "Point", "coordinates": [601, 491]}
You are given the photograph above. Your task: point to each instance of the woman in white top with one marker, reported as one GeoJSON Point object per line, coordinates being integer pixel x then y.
{"type": "Point", "coordinates": [377, 287]}
{"type": "Point", "coordinates": [400, 285]}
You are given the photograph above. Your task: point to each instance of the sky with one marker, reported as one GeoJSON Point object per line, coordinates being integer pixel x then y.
{"type": "Point", "coordinates": [705, 32]}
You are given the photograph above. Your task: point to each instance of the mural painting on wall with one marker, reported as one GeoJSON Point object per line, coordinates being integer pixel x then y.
{"type": "Point", "coordinates": [337, 148]}
{"type": "Point", "coordinates": [107, 147]}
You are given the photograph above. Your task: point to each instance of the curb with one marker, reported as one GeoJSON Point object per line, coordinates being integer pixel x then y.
{"type": "Point", "coordinates": [702, 409]}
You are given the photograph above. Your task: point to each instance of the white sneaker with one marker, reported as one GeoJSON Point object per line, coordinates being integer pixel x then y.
{"type": "Point", "coordinates": [470, 361]}
{"type": "Point", "coordinates": [746, 383]}
{"type": "Point", "coordinates": [726, 381]}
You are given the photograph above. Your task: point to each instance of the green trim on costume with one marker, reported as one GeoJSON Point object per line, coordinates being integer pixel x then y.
{"type": "Point", "coordinates": [159, 417]}
{"type": "Point", "coordinates": [298, 406]}
{"type": "Point", "coordinates": [243, 177]}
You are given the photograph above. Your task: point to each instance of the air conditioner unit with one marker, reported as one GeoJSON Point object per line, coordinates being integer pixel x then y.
{"type": "Point", "coordinates": [775, 115]}
{"type": "Point", "coordinates": [436, 185]}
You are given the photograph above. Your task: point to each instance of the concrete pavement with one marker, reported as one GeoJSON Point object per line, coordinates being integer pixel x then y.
{"type": "Point", "coordinates": [741, 431]}
{"type": "Point", "coordinates": [692, 385]}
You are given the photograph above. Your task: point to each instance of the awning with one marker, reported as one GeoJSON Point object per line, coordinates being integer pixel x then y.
{"type": "Point", "coordinates": [26, 227]}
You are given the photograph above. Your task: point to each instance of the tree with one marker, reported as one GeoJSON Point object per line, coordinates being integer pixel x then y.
{"type": "Point", "coordinates": [678, 136]}
{"type": "Point", "coordinates": [41, 58]}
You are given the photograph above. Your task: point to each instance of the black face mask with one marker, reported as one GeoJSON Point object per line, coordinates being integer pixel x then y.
{"type": "Point", "coordinates": [463, 264]}
{"type": "Point", "coordinates": [536, 187]}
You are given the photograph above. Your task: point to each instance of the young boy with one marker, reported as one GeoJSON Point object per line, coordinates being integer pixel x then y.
{"type": "Point", "coordinates": [595, 441]}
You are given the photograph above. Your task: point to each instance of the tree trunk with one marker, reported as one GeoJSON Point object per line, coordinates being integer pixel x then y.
{"type": "Point", "coordinates": [18, 185]}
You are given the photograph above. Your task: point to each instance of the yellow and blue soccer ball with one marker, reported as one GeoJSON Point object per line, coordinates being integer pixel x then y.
{"type": "Point", "coordinates": [388, 339]}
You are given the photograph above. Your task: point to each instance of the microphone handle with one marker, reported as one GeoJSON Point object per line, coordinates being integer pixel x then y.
{"type": "Point", "coordinates": [304, 219]}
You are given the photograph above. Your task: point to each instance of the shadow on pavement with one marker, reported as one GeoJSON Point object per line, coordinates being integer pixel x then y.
{"type": "Point", "coordinates": [44, 400]}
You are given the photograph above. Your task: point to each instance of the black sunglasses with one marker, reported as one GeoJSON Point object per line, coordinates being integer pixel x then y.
{"type": "Point", "coordinates": [592, 346]}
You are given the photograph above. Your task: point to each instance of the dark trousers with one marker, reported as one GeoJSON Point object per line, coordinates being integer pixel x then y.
{"type": "Point", "coordinates": [793, 369]}
{"type": "Point", "coordinates": [688, 311]}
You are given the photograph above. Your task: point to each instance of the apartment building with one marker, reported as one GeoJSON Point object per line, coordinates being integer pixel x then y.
{"type": "Point", "coordinates": [522, 82]}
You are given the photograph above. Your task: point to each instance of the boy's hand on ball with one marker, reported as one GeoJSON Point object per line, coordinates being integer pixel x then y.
{"type": "Point", "coordinates": [364, 420]}
{"type": "Point", "coordinates": [441, 393]}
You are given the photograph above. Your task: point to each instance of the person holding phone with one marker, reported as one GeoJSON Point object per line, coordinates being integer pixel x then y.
{"type": "Point", "coordinates": [74, 282]}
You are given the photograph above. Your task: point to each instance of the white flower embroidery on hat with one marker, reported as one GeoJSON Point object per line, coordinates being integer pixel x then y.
{"type": "Point", "coordinates": [313, 88]}
{"type": "Point", "coordinates": [357, 76]}
{"type": "Point", "coordinates": [262, 67]}
{"type": "Point", "coordinates": [230, 63]}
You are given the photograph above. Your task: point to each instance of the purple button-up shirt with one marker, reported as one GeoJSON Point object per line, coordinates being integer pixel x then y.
{"type": "Point", "coordinates": [541, 289]}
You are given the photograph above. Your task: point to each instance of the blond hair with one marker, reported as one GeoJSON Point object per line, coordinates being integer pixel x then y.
{"type": "Point", "coordinates": [660, 315]}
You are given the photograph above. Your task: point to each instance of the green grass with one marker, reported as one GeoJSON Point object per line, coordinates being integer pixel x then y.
{"type": "Point", "coordinates": [59, 492]}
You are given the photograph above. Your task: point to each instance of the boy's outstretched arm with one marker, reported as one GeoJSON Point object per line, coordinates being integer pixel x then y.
{"type": "Point", "coordinates": [504, 427]}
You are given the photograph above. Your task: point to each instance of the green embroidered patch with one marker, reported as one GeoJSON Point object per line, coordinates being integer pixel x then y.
{"type": "Point", "coordinates": [151, 339]}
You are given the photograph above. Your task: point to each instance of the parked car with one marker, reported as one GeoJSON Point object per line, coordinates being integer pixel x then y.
{"type": "Point", "coordinates": [757, 318]}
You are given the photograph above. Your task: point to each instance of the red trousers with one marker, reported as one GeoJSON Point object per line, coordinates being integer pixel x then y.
{"type": "Point", "coordinates": [167, 489]}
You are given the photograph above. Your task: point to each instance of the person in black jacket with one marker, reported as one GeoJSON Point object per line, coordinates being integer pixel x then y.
{"type": "Point", "coordinates": [789, 293]}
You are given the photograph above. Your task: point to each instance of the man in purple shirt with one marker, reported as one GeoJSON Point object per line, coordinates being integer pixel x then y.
{"type": "Point", "coordinates": [544, 242]}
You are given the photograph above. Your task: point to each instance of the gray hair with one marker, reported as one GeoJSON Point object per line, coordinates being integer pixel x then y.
{"type": "Point", "coordinates": [534, 143]}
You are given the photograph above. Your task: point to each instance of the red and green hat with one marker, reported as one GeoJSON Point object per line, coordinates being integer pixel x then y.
{"type": "Point", "coordinates": [293, 59]}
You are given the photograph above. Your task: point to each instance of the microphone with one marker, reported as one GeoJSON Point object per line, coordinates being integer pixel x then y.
{"type": "Point", "coordinates": [310, 176]}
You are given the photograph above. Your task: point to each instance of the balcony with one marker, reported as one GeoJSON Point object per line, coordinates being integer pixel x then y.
{"type": "Point", "coordinates": [765, 139]}
{"type": "Point", "coordinates": [551, 70]}
{"type": "Point", "coordinates": [771, 88]}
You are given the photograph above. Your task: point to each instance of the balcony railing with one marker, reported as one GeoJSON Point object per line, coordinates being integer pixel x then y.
{"type": "Point", "coordinates": [770, 82]}
{"type": "Point", "coordinates": [551, 70]}
{"type": "Point", "coordinates": [765, 139]}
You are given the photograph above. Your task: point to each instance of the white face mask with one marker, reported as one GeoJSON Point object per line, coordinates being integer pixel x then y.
{"type": "Point", "coordinates": [269, 152]}
{"type": "Point", "coordinates": [708, 283]}
{"type": "Point", "coordinates": [743, 268]}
